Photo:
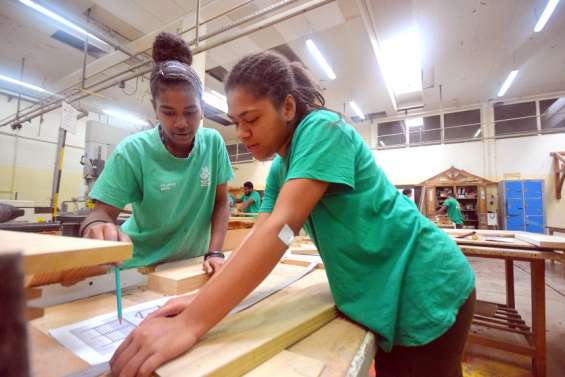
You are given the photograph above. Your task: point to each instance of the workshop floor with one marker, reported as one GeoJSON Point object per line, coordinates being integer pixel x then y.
{"type": "Point", "coordinates": [487, 362]}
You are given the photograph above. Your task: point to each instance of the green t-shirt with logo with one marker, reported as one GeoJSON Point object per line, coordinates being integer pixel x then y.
{"type": "Point", "coordinates": [453, 210]}
{"type": "Point", "coordinates": [389, 267]}
{"type": "Point", "coordinates": [256, 205]}
{"type": "Point", "coordinates": [172, 198]}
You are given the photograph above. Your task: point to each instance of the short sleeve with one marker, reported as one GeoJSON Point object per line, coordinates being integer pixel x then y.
{"type": "Point", "coordinates": [225, 172]}
{"type": "Point", "coordinates": [118, 184]}
{"type": "Point", "coordinates": [323, 150]}
{"type": "Point", "coordinates": [273, 186]}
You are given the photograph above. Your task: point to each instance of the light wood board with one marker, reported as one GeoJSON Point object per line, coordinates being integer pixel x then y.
{"type": "Point", "coordinates": [47, 253]}
{"type": "Point", "coordinates": [519, 254]}
{"type": "Point", "coordinates": [336, 344]}
{"type": "Point", "coordinates": [245, 340]}
{"type": "Point", "coordinates": [50, 359]}
{"type": "Point", "coordinates": [542, 240]}
{"type": "Point", "coordinates": [178, 280]}
{"type": "Point", "coordinates": [288, 364]}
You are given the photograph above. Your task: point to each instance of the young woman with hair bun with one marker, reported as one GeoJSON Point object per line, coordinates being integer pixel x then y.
{"type": "Point", "coordinates": [174, 175]}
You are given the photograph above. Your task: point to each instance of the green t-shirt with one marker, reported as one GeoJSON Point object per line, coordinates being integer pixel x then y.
{"type": "Point", "coordinates": [389, 267]}
{"type": "Point", "coordinates": [453, 210]}
{"type": "Point", "coordinates": [256, 205]}
{"type": "Point", "coordinates": [172, 198]}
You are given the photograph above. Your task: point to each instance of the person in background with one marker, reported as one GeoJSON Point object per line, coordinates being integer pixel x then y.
{"type": "Point", "coordinates": [408, 193]}
{"type": "Point", "coordinates": [174, 175]}
{"type": "Point", "coordinates": [453, 209]}
{"type": "Point", "coordinates": [251, 201]}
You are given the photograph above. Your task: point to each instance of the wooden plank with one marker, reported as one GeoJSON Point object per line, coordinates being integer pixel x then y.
{"type": "Point", "coordinates": [543, 240]}
{"type": "Point", "coordinates": [67, 276]}
{"type": "Point", "coordinates": [288, 364]}
{"type": "Point", "coordinates": [47, 253]}
{"type": "Point", "coordinates": [481, 232]}
{"type": "Point", "coordinates": [519, 254]}
{"type": "Point", "coordinates": [178, 280]}
{"type": "Point", "coordinates": [245, 340]}
{"type": "Point", "coordinates": [33, 313]}
{"type": "Point", "coordinates": [304, 249]}
{"type": "Point", "coordinates": [49, 358]}
{"type": "Point", "coordinates": [337, 344]}
{"type": "Point", "coordinates": [33, 293]}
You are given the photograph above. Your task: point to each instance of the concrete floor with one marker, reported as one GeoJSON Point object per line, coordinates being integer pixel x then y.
{"type": "Point", "coordinates": [486, 362]}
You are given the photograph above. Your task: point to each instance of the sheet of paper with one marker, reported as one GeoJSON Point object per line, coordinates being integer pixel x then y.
{"type": "Point", "coordinates": [94, 340]}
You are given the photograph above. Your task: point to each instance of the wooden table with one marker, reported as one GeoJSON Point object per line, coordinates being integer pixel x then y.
{"type": "Point", "coordinates": [505, 317]}
{"type": "Point", "coordinates": [340, 347]}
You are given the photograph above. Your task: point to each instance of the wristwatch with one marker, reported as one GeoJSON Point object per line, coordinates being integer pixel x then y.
{"type": "Point", "coordinates": [214, 254]}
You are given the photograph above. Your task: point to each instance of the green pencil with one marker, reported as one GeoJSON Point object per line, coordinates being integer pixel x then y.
{"type": "Point", "coordinates": [118, 293]}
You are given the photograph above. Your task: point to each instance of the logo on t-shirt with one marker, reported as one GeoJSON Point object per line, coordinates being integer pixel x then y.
{"type": "Point", "coordinates": [167, 186]}
{"type": "Point", "coordinates": [205, 177]}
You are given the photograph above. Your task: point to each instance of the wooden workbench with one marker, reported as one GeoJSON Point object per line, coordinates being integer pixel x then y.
{"type": "Point", "coordinates": [338, 348]}
{"type": "Point", "coordinates": [504, 316]}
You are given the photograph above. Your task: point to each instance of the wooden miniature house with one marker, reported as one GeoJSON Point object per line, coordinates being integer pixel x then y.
{"type": "Point", "coordinates": [474, 194]}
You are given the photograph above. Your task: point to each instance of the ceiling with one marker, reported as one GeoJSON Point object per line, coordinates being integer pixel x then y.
{"type": "Point", "coordinates": [468, 47]}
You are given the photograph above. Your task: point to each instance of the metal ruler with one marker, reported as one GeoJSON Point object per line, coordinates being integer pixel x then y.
{"type": "Point", "coordinates": [254, 298]}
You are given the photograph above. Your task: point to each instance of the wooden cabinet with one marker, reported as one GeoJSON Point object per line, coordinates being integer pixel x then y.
{"type": "Point", "coordinates": [469, 190]}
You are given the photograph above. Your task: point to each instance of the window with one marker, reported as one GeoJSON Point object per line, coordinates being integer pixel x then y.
{"type": "Point", "coordinates": [391, 133]}
{"type": "Point", "coordinates": [552, 114]}
{"type": "Point", "coordinates": [462, 125]}
{"type": "Point", "coordinates": [238, 153]}
{"type": "Point", "coordinates": [517, 118]}
{"type": "Point", "coordinates": [428, 133]}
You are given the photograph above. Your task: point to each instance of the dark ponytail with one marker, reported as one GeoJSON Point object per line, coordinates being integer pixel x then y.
{"type": "Point", "coordinates": [269, 74]}
{"type": "Point", "coordinates": [173, 60]}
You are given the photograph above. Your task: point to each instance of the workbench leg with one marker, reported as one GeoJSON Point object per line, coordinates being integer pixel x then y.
{"type": "Point", "coordinates": [538, 316]}
{"type": "Point", "coordinates": [510, 299]}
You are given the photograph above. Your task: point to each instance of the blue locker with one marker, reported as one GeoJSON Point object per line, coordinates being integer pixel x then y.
{"type": "Point", "coordinates": [523, 205]}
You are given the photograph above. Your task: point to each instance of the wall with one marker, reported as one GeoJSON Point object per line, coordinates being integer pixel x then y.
{"type": "Point", "coordinates": [33, 155]}
{"type": "Point", "coordinates": [255, 172]}
{"type": "Point", "coordinates": [528, 156]}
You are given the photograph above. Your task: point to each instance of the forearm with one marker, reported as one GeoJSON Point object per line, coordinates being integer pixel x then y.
{"type": "Point", "coordinates": [220, 217]}
{"type": "Point", "coordinates": [243, 272]}
{"type": "Point", "coordinates": [244, 206]}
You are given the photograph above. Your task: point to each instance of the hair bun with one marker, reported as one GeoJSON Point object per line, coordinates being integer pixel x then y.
{"type": "Point", "coordinates": [169, 46]}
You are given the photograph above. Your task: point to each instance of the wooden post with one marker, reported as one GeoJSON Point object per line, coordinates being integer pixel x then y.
{"type": "Point", "coordinates": [510, 298]}
{"type": "Point", "coordinates": [558, 172]}
{"type": "Point", "coordinates": [13, 334]}
{"type": "Point", "coordinates": [538, 316]}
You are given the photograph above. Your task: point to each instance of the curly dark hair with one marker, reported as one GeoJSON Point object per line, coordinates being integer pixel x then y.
{"type": "Point", "coordinates": [173, 60]}
{"type": "Point", "coordinates": [270, 74]}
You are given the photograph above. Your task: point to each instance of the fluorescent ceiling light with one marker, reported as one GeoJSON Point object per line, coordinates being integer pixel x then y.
{"type": "Point", "coordinates": [477, 133]}
{"type": "Point", "coordinates": [54, 16]}
{"type": "Point", "coordinates": [507, 83]}
{"type": "Point", "coordinates": [401, 62]}
{"type": "Point", "coordinates": [382, 143]}
{"type": "Point", "coordinates": [356, 109]}
{"type": "Point", "coordinates": [24, 84]}
{"type": "Point", "coordinates": [322, 62]}
{"type": "Point", "coordinates": [127, 117]}
{"type": "Point", "coordinates": [414, 122]}
{"type": "Point", "coordinates": [549, 8]}
{"type": "Point", "coordinates": [216, 100]}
